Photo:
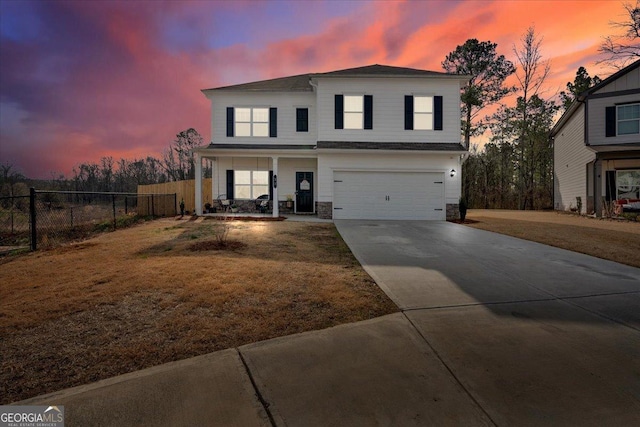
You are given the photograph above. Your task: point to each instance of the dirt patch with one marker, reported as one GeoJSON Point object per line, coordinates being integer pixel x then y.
{"type": "Point", "coordinates": [140, 297]}
{"type": "Point", "coordinates": [614, 240]}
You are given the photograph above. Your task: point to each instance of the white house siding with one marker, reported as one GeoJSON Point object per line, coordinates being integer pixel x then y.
{"type": "Point", "coordinates": [390, 162]}
{"type": "Point", "coordinates": [388, 108]}
{"type": "Point", "coordinates": [597, 123]}
{"type": "Point", "coordinates": [630, 80]}
{"type": "Point", "coordinates": [570, 158]}
{"type": "Point", "coordinates": [285, 102]}
{"type": "Point", "coordinates": [287, 168]}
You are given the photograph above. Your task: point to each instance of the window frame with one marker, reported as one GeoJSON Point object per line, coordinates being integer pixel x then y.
{"type": "Point", "coordinates": [430, 115]}
{"type": "Point", "coordinates": [299, 121]}
{"type": "Point", "coordinates": [618, 184]}
{"type": "Point", "coordinates": [251, 122]}
{"type": "Point", "coordinates": [352, 112]}
{"type": "Point", "coordinates": [251, 185]}
{"type": "Point", "coordinates": [625, 120]}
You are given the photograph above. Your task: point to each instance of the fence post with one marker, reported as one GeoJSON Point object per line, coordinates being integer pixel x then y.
{"type": "Point", "coordinates": [71, 209]}
{"type": "Point", "coordinates": [32, 218]}
{"type": "Point", "coordinates": [153, 211]}
{"type": "Point", "coordinates": [113, 203]}
{"type": "Point", "coordinates": [126, 211]}
{"type": "Point", "coordinates": [175, 204]}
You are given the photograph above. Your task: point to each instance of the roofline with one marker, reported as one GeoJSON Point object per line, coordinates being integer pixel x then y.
{"type": "Point", "coordinates": [583, 96]}
{"type": "Point", "coordinates": [609, 79]}
{"type": "Point", "coordinates": [436, 75]}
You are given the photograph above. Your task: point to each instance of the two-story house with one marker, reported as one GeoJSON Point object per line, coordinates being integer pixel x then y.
{"type": "Point", "coordinates": [374, 142]}
{"type": "Point", "coordinates": [596, 145]}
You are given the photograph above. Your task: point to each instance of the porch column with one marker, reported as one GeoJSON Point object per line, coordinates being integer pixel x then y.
{"type": "Point", "coordinates": [276, 211]}
{"type": "Point", "coordinates": [214, 178]}
{"type": "Point", "coordinates": [198, 163]}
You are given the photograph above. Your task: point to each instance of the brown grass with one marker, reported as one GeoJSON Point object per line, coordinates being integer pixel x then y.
{"type": "Point", "coordinates": [614, 240]}
{"type": "Point", "coordinates": [139, 297]}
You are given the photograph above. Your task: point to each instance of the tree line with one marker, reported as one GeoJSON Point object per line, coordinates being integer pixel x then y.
{"type": "Point", "coordinates": [514, 169]}
{"type": "Point", "coordinates": [110, 175]}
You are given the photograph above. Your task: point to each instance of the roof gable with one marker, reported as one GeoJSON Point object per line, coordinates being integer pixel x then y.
{"type": "Point", "coordinates": [376, 70]}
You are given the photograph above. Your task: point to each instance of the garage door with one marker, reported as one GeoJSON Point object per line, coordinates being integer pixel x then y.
{"type": "Point", "coordinates": [388, 195]}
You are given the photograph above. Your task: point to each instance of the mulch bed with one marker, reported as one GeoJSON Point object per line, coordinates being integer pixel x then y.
{"type": "Point", "coordinates": [215, 245]}
{"type": "Point", "coordinates": [466, 221]}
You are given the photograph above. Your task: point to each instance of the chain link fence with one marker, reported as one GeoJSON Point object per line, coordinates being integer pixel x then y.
{"type": "Point", "coordinates": [48, 218]}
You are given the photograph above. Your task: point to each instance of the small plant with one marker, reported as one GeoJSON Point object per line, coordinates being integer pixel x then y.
{"type": "Point", "coordinates": [182, 207]}
{"type": "Point", "coordinates": [579, 204]}
{"type": "Point", "coordinates": [462, 206]}
{"type": "Point", "coordinates": [221, 234]}
{"type": "Point", "coordinates": [234, 208]}
{"type": "Point", "coordinates": [207, 207]}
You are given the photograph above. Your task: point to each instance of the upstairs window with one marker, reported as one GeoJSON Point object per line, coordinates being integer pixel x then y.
{"type": "Point", "coordinates": [423, 112]}
{"type": "Point", "coordinates": [252, 122]}
{"type": "Point", "coordinates": [353, 111]}
{"type": "Point", "coordinates": [302, 120]}
{"type": "Point", "coordinates": [628, 119]}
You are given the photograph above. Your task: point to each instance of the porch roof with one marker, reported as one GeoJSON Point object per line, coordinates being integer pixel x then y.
{"type": "Point", "coordinates": [403, 146]}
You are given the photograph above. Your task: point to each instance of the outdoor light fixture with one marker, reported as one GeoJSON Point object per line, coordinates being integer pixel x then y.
{"type": "Point", "coordinates": [452, 173]}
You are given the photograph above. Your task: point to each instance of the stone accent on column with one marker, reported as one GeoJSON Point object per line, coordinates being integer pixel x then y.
{"type": "Point", "coordinates": [453, 211]}
{"type": "Point", "coordinates": [325, 210]}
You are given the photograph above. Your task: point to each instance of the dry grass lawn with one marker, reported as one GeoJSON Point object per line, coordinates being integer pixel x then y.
{"type": "Point", "coordinates": [603, 238]}
{"type": "Point", "coordinates": [161, 291]}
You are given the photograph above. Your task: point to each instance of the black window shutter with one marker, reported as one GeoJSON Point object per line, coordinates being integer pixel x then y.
{"type": "Point", "coordinates": [408, 112]}
{"type": "Point", "coordinates": [368, 111]}
{"type": "Point", "coordinates": [610, 121]}
{"type": "Point", "coordinates": [230, 121]}
{"type": "Point", "coordinates": [270, 185]}
{"type": "Point", "coordinates": [339, 112]}
{"type": "Point", "coordinates": [302, 120]}
{"type": "Point", "coordinates": [273, 122]}
{"type": "Point", "coordinates": [230, 184]}
{"type": "Point", "coordinates": [437, 113]}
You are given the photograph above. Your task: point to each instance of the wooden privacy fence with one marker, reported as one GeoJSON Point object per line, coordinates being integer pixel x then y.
{"type": "Point", "coordinates": [183, 189]}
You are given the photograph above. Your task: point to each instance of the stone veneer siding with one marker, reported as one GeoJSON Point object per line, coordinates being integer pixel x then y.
{"type": "Point", "coordinates": [325, 210]}
{"type": "Point", "coordinates": [453, 211]}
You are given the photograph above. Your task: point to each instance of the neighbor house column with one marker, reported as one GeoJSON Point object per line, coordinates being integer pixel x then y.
{"type": "Point", "coordinates": [198, 196]}
{"type": "Point", "coordinates": [276, 211]}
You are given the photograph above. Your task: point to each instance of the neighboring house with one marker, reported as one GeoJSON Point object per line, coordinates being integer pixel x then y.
{"type": "Point", "coordinates": [374, 142]}
{"type": "Point", "coordinates": [596, 146]}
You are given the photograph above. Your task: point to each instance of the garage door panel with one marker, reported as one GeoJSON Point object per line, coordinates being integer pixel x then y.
{"type": "Point", "coordinates": [388, 195]}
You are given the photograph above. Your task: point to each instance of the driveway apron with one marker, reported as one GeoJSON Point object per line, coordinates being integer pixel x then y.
{"type": "Point", "coordinates": [534, 334]}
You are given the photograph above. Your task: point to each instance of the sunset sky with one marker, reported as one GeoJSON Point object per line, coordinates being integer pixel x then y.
{"type": "Point", "coordinates": [80, 80]}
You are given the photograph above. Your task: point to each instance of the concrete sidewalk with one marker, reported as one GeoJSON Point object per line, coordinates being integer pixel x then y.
{"type": "Point", "coordinates": [494, 331]}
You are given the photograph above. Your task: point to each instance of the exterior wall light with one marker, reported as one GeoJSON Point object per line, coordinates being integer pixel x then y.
{"type": "Point", "coordinates": [452, 173]}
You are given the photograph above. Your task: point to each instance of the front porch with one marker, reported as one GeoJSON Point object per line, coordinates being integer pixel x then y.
{"type": "Point", "coordinates": [254, 181]}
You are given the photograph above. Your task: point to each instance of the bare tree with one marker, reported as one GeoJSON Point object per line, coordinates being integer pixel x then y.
{"type": "Point", "coordinates": [531, 74]}
{"type": "Point", "coordinates": [623, 48]}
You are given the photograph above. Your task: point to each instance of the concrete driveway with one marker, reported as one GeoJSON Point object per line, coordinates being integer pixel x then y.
{"type": "Point", "coordinates": [533, 334]}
